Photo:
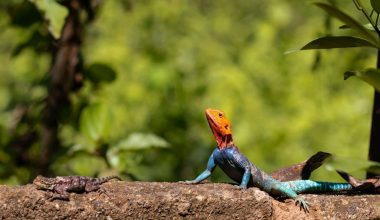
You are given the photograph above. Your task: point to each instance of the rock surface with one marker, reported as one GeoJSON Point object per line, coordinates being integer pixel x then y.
{"type": "Point", "coordinates": [152, 200]}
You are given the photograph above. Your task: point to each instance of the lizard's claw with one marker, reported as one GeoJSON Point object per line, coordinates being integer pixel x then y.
{"type": "Point", "coordinates": [303, 204]}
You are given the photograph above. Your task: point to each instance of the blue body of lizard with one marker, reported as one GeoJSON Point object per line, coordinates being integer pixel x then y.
{"type": "Point", "coordinates": [241, 170]}
{"type": "Point", "coordinates": [228, 157]}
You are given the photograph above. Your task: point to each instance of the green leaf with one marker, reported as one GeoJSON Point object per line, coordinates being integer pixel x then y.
{"type": "Point", "coordinates": [124, 154]}
{"type": "Point", "coordinates": [139, 141]}
{"type": "Point", "coordinates": [100, 72]}
{"type": "Point", "coordinates": [87, 165]}
{"type": "Point", "coordinates": [370, 76]}
{"type": "Point", "coordinates": [36, 41]}
{"type": "Point", "coordinates": [80, 164]}
{"type": "Point", "coordinates": [95, 122]}
{"type": "Point", "coordinates": [376, 5]}
{"type": "Point", "coordinates": [331, 42]}
{"type": "Point", "coordinates": [349, 21]}
{"type": "Point", "coordinates": [24, 14]}
{"type": "Point", "coordinates": [54, 13]}
{"type": "Point", "coordinates": [367, 26]}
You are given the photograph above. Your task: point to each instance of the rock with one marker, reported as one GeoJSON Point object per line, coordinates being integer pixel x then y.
{"type": "Point", "coordinates": [152, 200]}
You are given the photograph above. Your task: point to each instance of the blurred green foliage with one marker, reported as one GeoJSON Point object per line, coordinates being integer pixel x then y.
{"type": "Point", "coordinates": [165, 62]}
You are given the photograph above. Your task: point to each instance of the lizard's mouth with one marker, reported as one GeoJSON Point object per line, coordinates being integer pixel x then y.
{"type": "Point", "coordinates": [44, 187]}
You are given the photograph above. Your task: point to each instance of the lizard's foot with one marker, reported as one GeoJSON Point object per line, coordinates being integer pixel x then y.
{"type": "Point", "coordinates": [303, 204]}
{"type": "Point", "coordinates": [58, 197]}
{"type": "Point", "coordinates": [103, 191]}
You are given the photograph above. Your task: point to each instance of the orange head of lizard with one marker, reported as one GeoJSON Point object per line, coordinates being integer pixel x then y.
{"type": "Point", "coordinates": [220, 126]}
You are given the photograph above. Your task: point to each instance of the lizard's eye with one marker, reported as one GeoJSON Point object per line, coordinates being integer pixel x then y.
{"type": "Point", "coordinates": [220, 115]}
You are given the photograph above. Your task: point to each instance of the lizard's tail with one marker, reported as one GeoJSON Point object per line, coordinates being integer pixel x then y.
{"type": "Point", "coordinates": [302, 186]}
{"type": "Point", "coordinates": [108, 178]}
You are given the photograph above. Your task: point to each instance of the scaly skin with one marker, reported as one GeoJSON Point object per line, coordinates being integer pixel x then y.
{"type": "Point", "coordinates": [228, 157]}
{"type": "Point", "coordinates": [63, 185]}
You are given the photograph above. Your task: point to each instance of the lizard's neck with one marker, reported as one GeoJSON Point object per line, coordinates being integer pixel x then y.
{"type": "Point", "coordinates": [223, 141]}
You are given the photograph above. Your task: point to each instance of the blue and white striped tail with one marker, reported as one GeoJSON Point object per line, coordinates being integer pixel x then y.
{"type": "Point", "coordinates": [301, 186]}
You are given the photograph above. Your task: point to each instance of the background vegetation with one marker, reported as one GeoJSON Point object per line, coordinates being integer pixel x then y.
{"type": "Point", "coordinates": [150, 69]}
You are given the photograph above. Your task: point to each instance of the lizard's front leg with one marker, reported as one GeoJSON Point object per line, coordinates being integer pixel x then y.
{"type": "Point", "coordinates": [60, 192]}
{"type": "Point", "coordinates": [205, 174]}
{"type": "Point", "coordinates": [245, 179]}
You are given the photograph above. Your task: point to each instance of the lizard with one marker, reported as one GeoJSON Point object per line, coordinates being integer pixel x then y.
{"type": "Point", "coordinates": [229, 158]}
{"type": "Point", "coordinates": [61, 186]}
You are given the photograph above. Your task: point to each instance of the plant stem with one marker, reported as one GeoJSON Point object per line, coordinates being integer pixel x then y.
{"type": "Point", "coordinates": [374, 143]}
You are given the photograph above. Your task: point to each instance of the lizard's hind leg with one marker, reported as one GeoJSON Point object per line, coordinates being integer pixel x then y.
{"type": "Point", "coordinates": [95, 186]}
{"type": "Point", "coordinates": [283, 189]}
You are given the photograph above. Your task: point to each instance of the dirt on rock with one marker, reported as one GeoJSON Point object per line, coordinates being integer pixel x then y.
{"type": "Point", "coordinates": [153, 200]}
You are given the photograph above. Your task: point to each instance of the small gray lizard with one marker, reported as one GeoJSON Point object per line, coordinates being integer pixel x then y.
{"type": "Point", "coordinates": [61, 186]}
